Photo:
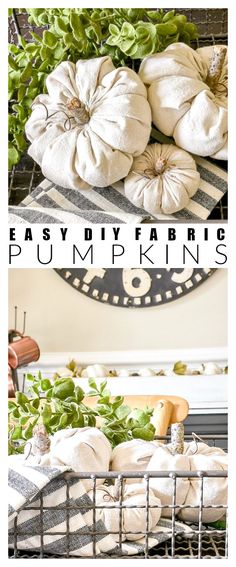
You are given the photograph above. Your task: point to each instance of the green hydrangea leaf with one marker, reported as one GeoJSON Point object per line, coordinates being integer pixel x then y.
{"type": "Point", "coordinates": [191, 29]}
{"type": "Point", "coordinates": [77, 27]}
{"type": "Point", "coordinates": [46, 413]}
{"type": "Point", "coordinates": [168, 16]}
{"type": "Point", "coordinates": [128, 31]}
{"type": "Point", "coordinates": [166, 29]}
{"type": "Point", "coordinates": [60, 26]}
{"type": "Point", "coordinates": [20, 141]}
{"type": "Point", "coordinates": [49, 39]}
{"type": "Point", "coordinates": [21, 92]}
{"type": "Point", "coordinates": [12, 63]}
{"type": "Point", "coordinates": [36, 37]}
{"type": "Point", "coordinates": [114, 30]}
{"type": "Point", "coordinates": [45, 384]}
{"type": "Point", "coordinates": [27, 72]}
{"type": "Point", "coordinates": [17, 433]}
{"type": "Point", "coordinates": [179, 21]}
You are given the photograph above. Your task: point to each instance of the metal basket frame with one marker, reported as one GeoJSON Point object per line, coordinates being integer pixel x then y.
{"type": "Point", "coordinates": [205, 542]}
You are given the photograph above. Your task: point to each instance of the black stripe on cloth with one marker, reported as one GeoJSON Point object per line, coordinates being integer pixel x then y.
{"type": "Point", "coordinates": [203, 199]}
{"type": "Point", "coordinates": [11, 510]}
{"type": "Point", "coordinates": [186, 215]}
{"type": "Point", "coordinates": [212, 178]}
{"type": "Point", "coordinates": [51, 518]}
{"type": "Point", "coordinates": [23, 485]}
{"type": "Point", "coordinates": [75, 540]}
{"type": "Point", "coordinates": [77, 199]}
{"type": "Point", "coordinates": [99, 217]}
{"type": "Point", "coordinates": [116, 198]}
{"type": "Point", "coordinates": [56, 484]}
{"type": "Point", "coordinates": [37, 190]}
{"type": "Point", "coordinates": [32, 216]}
{"type": "Point", "coordinates": [47, 201]}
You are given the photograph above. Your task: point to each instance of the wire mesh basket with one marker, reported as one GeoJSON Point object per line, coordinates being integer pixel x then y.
{"type": "Point", "coordinates": [212, 27]}
{"type": "Point", "coordinates": [54, 537]}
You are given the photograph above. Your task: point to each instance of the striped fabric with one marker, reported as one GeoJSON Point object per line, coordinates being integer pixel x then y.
{"type": "Point", "coordinates": [32, 487]}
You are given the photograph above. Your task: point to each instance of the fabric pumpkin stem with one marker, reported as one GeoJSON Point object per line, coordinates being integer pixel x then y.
{"type": "Point", "coordinates": [216, 68]}
{"type": "Point", "coordinates": [177, 438]}
{"type": "Point", "coordinates": [41, 440]}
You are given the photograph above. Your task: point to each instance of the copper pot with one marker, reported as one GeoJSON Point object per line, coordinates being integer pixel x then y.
{"type": "Point", "coordinates": [11, 389]}
{"type": "Point", "coordinates": [22, 351]}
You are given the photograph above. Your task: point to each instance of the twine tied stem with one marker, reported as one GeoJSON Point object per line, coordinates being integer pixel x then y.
{"type": "Point", "coordinates": [214, 78]}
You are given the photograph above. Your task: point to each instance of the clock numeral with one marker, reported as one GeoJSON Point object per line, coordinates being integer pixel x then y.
{"type": "Point", "coordinates": [143, 284]}
{"type": "Point", "coordinates": [94, 273]}
{"type": "Point", "coordinates": [181, 277]}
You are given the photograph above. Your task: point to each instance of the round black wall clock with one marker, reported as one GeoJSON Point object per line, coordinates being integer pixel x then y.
{"type": "Point", "coordinates": [135, 287]}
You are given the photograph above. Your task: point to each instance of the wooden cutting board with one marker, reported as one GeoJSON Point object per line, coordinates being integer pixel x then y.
{"type": "Point", "coordinates": [167, 409]}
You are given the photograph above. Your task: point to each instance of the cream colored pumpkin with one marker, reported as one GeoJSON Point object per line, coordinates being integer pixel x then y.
{"type": "Point", "coordinates": [132, 455]}
{"type": "Point", "coordinates": [125, 372]}
{"type": "Point", "coordinates": [187, 91]}
{"type": "Point", "coordinates": [162, 179]}
{"type": "Point", "coordinates": [146, 372]}
{"type": "Point", "coordinates": [196, 457]}
{"type": "Point", "coordinates": [90, 125]}
{"type": "Point", "coordinates": [134, 513]}
{"type": "Point", "coordinates": [95, 371]}
{"type": "Point", "coordinates": [139, 455]}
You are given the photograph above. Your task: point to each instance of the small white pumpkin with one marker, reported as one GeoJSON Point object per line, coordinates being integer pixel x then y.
{"type": "Point", "coordinates": [93, 121]}
{"type": "Point", "coordinates": [210, 368]}
{"type": "Point", "coordinates": [146, 372]}
{"type": "Point", "coordinates": [133, 518]}
{"type": "Point", "coordinates": [162, 179]}
{"type": "Point", "coordinates": [123, 372]}
{"type": "Point", "coordinates": [63, 373]}
{"type": "Point", "coordinates": [196, 457]}
{"type": "Point", "coordinates": [188, 96]}
{"type": "Point", "coordinates": [95, 371]}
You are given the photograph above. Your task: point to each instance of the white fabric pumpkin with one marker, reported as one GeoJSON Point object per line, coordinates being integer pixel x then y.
{"type": "Point", "coordinates": [210, 368]}
{"type": "Point", "coordinates": [95, 371]}
{"type": "Point", "coordinates": [90, 125]}
{"type": "Point", "coordinates": [196, 457]}
{"type": "Point", "coordinates": [125, 372]}
{"type": "Point", "coordinates": [187, 101]}
{"type": "Point", "coordinates": [146, 372]}
{"type": "Point", "coordinates": [162, 179]}
{"type": "Point", "coordinates": [132, 456]}
{"type": "Point", "coordinates": [133, 519]}
{"type": "Point", "coordinates": [84, 449]}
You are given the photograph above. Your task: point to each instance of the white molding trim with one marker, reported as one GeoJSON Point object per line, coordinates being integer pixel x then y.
{"type": "Point", "coordinates": [205, 394]}
{"type": "Point", "coordinates": [134, 359]}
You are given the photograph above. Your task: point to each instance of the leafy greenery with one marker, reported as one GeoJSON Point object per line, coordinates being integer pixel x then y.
{"type": "Point", "coordinates": [126, 34]}
{"type": "Point", "coordinates": [59, 404]}
{"type": "Point", "coordinates": [219, 524]}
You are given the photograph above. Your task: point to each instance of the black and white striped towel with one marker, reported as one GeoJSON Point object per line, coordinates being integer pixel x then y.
{"type": "Point", "coordinates": [32, 487]}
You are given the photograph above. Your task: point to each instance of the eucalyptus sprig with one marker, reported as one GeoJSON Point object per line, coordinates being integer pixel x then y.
{"type": "Point", "coordinates": [125, 34]}
{"type": "Point", "coordinates": [60, 404]}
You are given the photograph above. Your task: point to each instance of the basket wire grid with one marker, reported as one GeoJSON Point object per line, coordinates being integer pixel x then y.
{"type": "Point", "coordinates": [212, 26]}
{"type": "Point", "coordinates": [203, 542]}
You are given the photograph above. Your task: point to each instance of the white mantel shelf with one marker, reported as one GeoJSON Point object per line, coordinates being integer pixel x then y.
{"type": "Point", "coordinates": [202, 392]}
{"type": "Point", "coordinates": [205, 394]}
